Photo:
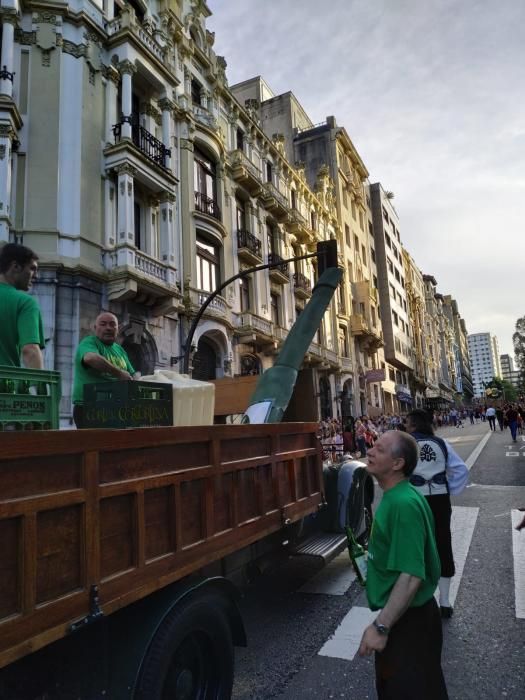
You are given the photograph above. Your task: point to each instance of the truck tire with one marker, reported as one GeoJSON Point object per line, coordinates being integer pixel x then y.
{"type": "Point", "coordinates": [191, 654]}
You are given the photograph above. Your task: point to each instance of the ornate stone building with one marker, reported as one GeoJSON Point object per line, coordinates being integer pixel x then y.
{"type": "Point", "coordinates": [142, 183]}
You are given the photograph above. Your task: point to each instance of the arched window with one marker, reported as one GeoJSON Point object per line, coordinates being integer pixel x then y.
{"type": "Point", "coordinates": [208, 264]}
{"type": "Point", "coordinates": [205, 184]}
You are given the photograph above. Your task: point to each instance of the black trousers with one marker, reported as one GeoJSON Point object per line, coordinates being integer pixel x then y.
{"type": "Point", "coordinates": [442, 512]}
{"type": "Point", "coordinates": [409, 667]}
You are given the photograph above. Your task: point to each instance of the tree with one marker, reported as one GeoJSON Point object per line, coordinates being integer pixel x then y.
{"type": "Point", "coordinates": [501, 388]}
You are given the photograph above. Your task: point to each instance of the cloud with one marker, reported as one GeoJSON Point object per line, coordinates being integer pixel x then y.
{"type": "Point", "coordinates": [432, 95]}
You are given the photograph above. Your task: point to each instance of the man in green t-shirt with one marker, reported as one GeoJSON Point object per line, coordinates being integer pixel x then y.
{"type": "Point", "coordinates": [22, 336]}
{"type": "Point", "coordinates": [99, 358]}
{"type": "Point", "coordinates": [403, 572]}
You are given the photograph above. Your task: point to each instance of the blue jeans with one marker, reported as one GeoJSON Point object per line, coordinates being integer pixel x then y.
{"type": "Point", "coordinates": [513, 425]}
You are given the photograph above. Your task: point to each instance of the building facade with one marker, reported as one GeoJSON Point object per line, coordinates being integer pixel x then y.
{"type": "Point", "coordinates": [143, 184]}
{"type": "Point", "coordinates": [484, 362]}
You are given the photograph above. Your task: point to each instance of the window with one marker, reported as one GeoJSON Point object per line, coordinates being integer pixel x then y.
{"type": "Point", "coordinates": [361, 221]}
{"type": "Point", "coordinates": [362, 308]}
{"type": "Point", "coordinates": [354, 211]}
{"type": "Point", "coordinates": [343, 343]}
{"type": "Point", "coordinates": [398, 277]}
{"type": "Point", "coordinates": [347, 235]}
{"type": "Point", "coordinates": [241, 215]}
{"type": "Point", "coordinates": [370, 228]}
{"type": "Point", "coordinates": [385, 216]}
{"type": "Point", "coordinates": [269, 172]}
{"type": "Point", "coordinates": [391, 374]}
{"type": "Point", "coordinates": [363, 254]}
{"type": "Point", "coordinates": [137, 212]}
{"type": "Point", "coordinates": [345, 198]}
{"type": "Point", "coordinates": [239, 139]}
{"type": "Point", "coordinates": [375, 281]}
{"type": "Point", "coordinates": [388, 240]}
{"type": "Point", "coordinates": [204, 176]}
{"type": "Point", "coordinates": [390, 266]}
{"type": "Point", "coordinates": [395, 318]}
{"type": "Point", "coordinates": [275, 306]}
{"type": "Point", "coordinates": [293, 199]}
{"type": "Point", "coordinates": [196, 89]}
{"type": "Point", "coordinates": [392, 291]}
{"type": "Point", "coordinates": [270, 239]}
{"type": "Point", "coordinates": [208, 265]}
{"type": "Point", "coordinates": [373, 254]}
{"type": "Point", "coordinates": [356, 243]}
{"type": "Point", "coordinates": [244, 285]}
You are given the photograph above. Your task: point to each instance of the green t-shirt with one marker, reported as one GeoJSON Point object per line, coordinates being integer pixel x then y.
{"type": "Point", "coordinates": [21, 324]}
{"type": "Point", "coordinates": [115, 354]}
{"type": "Point", "coordinates": [402, 541]}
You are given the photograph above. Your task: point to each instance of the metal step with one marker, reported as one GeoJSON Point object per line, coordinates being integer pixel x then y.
{"type": "Point", "coordinates": [326, 546]}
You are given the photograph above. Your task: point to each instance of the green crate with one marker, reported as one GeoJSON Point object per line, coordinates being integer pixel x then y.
{"type": "Point", "coordinates": [29, 399]}
{"type": "Point", "coordinates": [127, 404]}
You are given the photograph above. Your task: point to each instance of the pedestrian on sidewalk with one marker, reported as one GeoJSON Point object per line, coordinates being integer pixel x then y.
{"type": "Point", "coordinates": [403, 571]}
{"type": "Point", "coordinates": [511, 416]}
{"type": "Point", "coordinates": [439, 473]}
{"type": "Point", "coordinates": [491, 417]}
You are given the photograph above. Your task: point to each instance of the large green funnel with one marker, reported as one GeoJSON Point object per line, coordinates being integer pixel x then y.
{"type": "Point", "coordinates": [275, 387]}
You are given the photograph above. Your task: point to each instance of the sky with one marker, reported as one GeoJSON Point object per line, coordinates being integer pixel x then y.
{"type": "Point", "coordinates": [432, 94]}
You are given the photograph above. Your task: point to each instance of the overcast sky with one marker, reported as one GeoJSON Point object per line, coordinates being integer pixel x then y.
{"type": "Point", "coordinates": [432, 93]}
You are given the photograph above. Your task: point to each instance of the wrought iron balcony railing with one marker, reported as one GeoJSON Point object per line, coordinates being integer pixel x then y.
{"type": "Point", "coordinates": [245, 239]}
{"type": "Point", "coordinates": [148, 144]}
{"type": "Point", "coordinates": [302, 282]}
{"type": "Point", "coordinates": [274, 258]}
{"type": "Point", "coordinates": [206, 205]}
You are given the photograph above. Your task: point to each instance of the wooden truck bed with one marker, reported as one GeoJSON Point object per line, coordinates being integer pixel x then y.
{"type": "Point", "coordinates": [134, 510]}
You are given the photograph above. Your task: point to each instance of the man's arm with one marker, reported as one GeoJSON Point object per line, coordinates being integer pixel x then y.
{"type": "Point", "coordinates": [32, 357]}
{"type": "Point", "coordinates": [401, 595]}
{"type": "Point", "coordinates": [99, 364]}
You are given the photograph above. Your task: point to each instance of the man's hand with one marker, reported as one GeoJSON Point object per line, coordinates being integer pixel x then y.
{"type": "Point", "coordinates": [124, 375]}
{"type": "Point", "coordinates": [372, 641]}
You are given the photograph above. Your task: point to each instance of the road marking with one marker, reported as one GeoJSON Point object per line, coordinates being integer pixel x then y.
{"type": "Point", "coordinates": [471, 459]}
{"type": "Point", "coordinates": [462, 527]}
{"type": "Point", "coordinates": [346, 639]}
{"type": "Point", "coordinates": [344, 643]}
{"type": "Point", "coordinates": [518, 553]}
{"type": "Point", "coordinates": [334, 579]}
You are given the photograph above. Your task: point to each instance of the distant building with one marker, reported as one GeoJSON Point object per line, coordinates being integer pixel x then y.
{"type": "Point", "coordinates": [484, 360]}
{"type": "Point", "coordinates": [507, 370]}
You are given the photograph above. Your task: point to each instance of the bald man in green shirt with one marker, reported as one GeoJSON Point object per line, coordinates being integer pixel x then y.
{"type": "Point", "coordinates": [403, 573]}
{"type": "Point", "coordinates": [99, 358]}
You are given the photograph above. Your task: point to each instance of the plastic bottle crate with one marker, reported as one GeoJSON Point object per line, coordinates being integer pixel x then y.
{"type": "Point", "coordinates": [127, 404]}
{"type": "Point", "coordinates": [29, 399]}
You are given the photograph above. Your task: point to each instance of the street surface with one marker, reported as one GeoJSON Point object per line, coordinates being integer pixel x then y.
{"type": "Point", "coordinates": [304, 624]}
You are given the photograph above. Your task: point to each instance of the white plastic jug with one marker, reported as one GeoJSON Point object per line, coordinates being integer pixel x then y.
{"type": "Point", "coordinates": [193, 400]}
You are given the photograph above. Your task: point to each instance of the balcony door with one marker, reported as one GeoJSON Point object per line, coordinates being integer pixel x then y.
{"type": "Point", "coordinates": [205, 182]}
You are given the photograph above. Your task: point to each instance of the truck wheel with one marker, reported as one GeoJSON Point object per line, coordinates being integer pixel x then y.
{"type": "Point", "coordinates": [191, 655]}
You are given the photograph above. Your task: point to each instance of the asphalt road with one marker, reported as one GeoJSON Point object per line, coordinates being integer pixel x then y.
{"type": "Point", "coordinates": [484, 642]}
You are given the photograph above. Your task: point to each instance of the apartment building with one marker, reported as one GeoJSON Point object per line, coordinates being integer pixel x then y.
{"type": "Point", "coordinates": [507, 370]}
{"type": "Point", "coordinates": [326, 150]}
{"type": "Point", "coordinates": [143, 184]}
{"type": "Point", "coordinates": [484, 362]}
{"type": "Point", "coordinates": [415, 291]}
{"type": "Point", "coordinates": [463, 372]}
{"type": "Point", "coordinates": [393, 298]}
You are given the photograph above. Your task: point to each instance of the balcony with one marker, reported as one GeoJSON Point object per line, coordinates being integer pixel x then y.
{"type": "Point", "coordinates": [249, 247]}
{"type": "Point", "coordinates": [302, 286]}
{"type": "Point", "coordinates": [252, 328]}
{"type": "Point", "coordinates": [205, 205]}
{"type": "Point", "coordinates": [147, 144]}
{"type": "Point", "coordinates": [275, 202]}
{"type": "Point", "coordinates": [205, 118]}
{"type": "Point", "coordinates": [298, 226]}
{"type": "Point", "coordinates": [346, 364]}
{"type": "Point", "coordinates": [364, 291]}
{"type": "Point", "coordinates": [246, 173]}
{"type": "Point", "coordinates": [278, 274]}
{"type": "Point", "coordinates": [133, 273]}
{"type": "Point", "coordinates": [371, 337]}
{"type": "Point", "coordinates": [127, 22]}
{"type": "Point", "coordinates": [314, 354]}
{"type": "Point", "coordinates": [331, 357]}
{"type": "Point", "coordinates": [218, 309]}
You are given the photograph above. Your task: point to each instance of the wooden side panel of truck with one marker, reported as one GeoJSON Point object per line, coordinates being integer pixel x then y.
{"type": "Point", "coordinates": [131, 511]}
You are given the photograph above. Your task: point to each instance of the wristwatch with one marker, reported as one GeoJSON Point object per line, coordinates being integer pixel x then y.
{"type": "Point", "coordinates": [382, 629]}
